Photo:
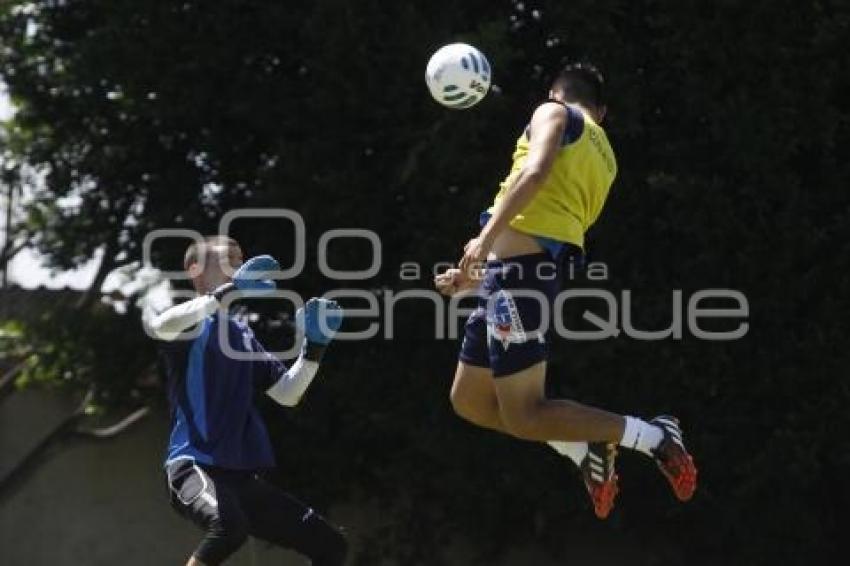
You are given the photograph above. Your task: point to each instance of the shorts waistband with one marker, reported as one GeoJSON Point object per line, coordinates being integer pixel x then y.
{"type": "Point", "coordinates": [525, 259]}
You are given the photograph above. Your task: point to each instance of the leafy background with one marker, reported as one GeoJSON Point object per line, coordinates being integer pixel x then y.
{"type": "Point", "coordinates": [731, 134]}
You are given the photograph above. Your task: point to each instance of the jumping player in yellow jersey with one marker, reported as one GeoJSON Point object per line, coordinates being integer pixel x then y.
{"type": "Point", "coordinates": [563, 168]}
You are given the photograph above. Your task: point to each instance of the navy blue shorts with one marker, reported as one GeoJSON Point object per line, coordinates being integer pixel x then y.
{"type": "Point", "coordinates": [509, 330]}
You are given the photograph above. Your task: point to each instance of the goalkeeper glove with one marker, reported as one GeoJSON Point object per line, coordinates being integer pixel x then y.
{"type": "Point", "coordinates": [319, 320]}
{"type": "Point", "coordinates": [251, 276]}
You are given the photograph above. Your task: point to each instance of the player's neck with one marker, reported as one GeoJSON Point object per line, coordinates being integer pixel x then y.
{"type": "Point", "coordinates": [584, 110]}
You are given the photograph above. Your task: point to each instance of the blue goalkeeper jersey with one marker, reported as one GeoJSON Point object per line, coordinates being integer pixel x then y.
{"type": "Point", "coordinates": [212, 394]}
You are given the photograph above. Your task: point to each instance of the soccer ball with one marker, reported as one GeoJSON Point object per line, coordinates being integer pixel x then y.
{"type": "Point", "coordinates": [458, 75]}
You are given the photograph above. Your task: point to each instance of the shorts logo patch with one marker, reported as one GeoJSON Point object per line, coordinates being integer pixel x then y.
{"type": "Point", "coordinates": [246, 341]}
{"type": "Point", "coordinates": [503, 321]}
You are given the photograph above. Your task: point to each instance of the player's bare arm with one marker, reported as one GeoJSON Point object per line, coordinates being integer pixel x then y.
{"type": "Point", "coordinates": [546, 131]}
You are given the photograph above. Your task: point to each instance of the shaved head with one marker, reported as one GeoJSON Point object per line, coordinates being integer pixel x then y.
{"type": "Point", "coordinates": [210, 262]}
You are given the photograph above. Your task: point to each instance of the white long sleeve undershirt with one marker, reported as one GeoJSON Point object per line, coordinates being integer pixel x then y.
{"type": "Point", "coordinates": [170, 324]}
{"type": "Point", "coordinates": [289, 389]}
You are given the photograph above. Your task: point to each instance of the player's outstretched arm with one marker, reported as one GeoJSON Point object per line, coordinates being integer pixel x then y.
{"type": "Point", "coordinates": [319, 320]}
{"type": "Point", "coordinates": [251, 275]}
{"type": "Point", "coordinates": [170, 324]}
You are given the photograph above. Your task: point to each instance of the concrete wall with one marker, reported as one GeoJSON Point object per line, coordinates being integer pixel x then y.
{"type": "Point", "coordinates": [101, 502]}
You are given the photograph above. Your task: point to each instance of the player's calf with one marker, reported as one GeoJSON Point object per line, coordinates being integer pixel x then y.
{"type": "Point", "coordinates": [527, 414]}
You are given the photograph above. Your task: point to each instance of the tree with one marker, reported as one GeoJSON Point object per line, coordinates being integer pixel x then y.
{"type": "Point", "coordinates": [727, 122]}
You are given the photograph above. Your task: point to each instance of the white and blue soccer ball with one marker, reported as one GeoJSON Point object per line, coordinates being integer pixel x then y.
{"type": "Point", "coordinates": [458, 76]}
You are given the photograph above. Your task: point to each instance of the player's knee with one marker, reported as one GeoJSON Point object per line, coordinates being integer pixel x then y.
{"type": "Point", "coordinates": [460, 404]}
{"type": "Point", "coordinates": [223, 539]}
{"type": "Point", "coordinates": [465, 405]}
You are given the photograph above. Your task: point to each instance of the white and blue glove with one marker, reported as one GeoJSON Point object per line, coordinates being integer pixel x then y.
{"type": "Point", "coordinates": [319, 320]}
{"type": "Point", "coordinates": [253, 275]}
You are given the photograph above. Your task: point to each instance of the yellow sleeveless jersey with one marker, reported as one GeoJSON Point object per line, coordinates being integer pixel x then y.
{"type": "Point", "coordinates": [572, 195]}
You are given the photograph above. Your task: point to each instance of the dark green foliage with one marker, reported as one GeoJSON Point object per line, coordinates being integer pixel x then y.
{"type": "Point", "coordinates": [731, 134]}
{"type": "Point", "coordinates": [100, 351]}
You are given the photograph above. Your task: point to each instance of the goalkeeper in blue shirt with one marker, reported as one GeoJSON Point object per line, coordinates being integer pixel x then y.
{"type": "Point", "coordinates": [219, 443]}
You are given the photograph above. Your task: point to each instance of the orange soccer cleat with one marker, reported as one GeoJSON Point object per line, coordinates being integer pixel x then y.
{"type": "Point", "coordinates": [673, 459]}
{"type": "Point", "coordinates": [597, 470]}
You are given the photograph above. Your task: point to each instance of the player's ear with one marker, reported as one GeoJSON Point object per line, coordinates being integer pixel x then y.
{"type": "Point", "coordinates": [194, 270]}
{"type": "Point", "coordinates": [601, 111]}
